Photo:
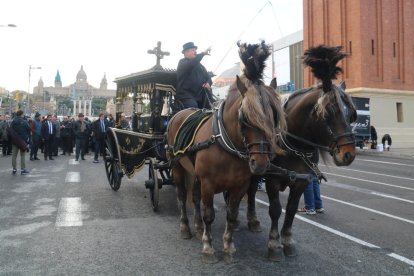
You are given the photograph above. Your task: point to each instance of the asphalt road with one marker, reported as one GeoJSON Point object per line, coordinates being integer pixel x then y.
{"type": "Point", "coordinates": [63, 218]}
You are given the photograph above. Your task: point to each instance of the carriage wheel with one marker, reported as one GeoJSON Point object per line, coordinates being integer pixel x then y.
{"type": "Point", "coordinates": [112, 165]}
{"type": "Point", "coordinates": [154, 190]}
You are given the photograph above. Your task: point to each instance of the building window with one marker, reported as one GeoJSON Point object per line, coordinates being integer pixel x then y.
{"type": "Point", "coordinates": [400, 115]}
{"type": "Point", "coordinates": [394, 49]}
{"type": "Point", "coordinates": [372, 47]}
{"type": "Point", "coordinates": [350, 48]}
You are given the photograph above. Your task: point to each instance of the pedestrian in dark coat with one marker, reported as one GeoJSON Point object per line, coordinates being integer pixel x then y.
{"type": "Point", "coordinates": [99, 128]}
{"type": "Point", "coordinates": [48, 136]}
{"type": "Point", "coordinates": [22, 130]}
{"type": "Point", "coordinates": [81, 130]}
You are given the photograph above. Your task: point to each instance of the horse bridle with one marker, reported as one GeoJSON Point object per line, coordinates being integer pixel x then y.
{"type": "Point", "coordinates": [220, 135]}
{"type": "Point", "coordinates": [264, 146]}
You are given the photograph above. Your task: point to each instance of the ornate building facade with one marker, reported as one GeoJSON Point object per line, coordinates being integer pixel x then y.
{"type": "Point", "coordinates": [80, 91]}
{"type": "Point", "coordinates": [379, 37]}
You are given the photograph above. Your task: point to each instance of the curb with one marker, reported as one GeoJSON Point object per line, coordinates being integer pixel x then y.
{"type": "Point", "coordinates": [409, 154]}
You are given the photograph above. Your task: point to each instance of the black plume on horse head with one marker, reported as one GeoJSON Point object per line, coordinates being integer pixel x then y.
{"type": "Point", "coordinates": [253, 57]}
{"type": "Point", "coordinates": [323, 59]}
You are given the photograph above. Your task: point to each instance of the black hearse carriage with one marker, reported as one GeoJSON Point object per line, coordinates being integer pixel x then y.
{"type": "Point", "coordinates": [150, 93]}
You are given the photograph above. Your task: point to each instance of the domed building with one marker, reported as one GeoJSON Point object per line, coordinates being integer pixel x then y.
{"type": "Point", "coordinates": [81, 92]}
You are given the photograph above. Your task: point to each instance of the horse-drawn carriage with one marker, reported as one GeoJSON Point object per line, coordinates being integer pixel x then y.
{"type": "Point", "coordinates": [149, 96]}
{"type": "Point", "coordinates": [234, 142]}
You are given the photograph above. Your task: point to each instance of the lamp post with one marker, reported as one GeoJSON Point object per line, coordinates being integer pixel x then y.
{"type": "Point", "coordinates": [28, 90]}
{"type": "Point", "coordinates": [9, 98]}
{"type": "Point", "coordinates": [9, 25]}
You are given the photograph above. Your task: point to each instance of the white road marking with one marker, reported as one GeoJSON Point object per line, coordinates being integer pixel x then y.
{"type": "Point", "coordinates": [69, 212]}
{"type": "Point", "coordinates": [385, 162]}
{"type": "Point", "coordinates": [72, 177]}
{"type": "Point", "coordinates": [371, 181]}
{"type": "Point", "coordinates": [368, 209]}
{"type": "Point", "coordinates": [401, 258]}
{"type": "Point", "coordinates": [366, 172]}
{"type": "Point", "coordinates": [366, 191]}
{"type": "Point", "coordinates": [346, 236]}
{"type": "Point", "coordinates": [73, 162]}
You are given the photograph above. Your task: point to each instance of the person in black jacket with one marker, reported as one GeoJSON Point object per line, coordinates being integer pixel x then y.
{"type": "Point", "coordinates": [81, 130]}
{"type": "Point", "coordinates": [48, 136]}
{"type": "Point", "coordinates": [374, 137]}
{"type": "Point", "coordinates": [66, 136]}
{"type": "Point", "coordinates": [22, 130]}
{"type": "Point", "coordinates": [99, 128]}
{"type": "Point", "coordinates": [193, 80]}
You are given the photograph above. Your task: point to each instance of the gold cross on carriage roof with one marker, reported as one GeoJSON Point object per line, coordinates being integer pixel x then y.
{"type": "Point", "coordinates": [158, 53]}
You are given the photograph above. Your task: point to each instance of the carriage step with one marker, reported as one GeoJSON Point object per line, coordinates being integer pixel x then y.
{"type": "Point", "coordinates": [149, 184]}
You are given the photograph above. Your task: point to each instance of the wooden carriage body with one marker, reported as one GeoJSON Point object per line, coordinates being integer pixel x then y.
{"type": "Point", "coordinates": [150, 94]}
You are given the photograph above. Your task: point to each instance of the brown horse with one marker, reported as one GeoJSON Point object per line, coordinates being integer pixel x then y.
{"type": "Point", "coordinates": [318, 120]}
{"type": "Point", "coordinates": [227, 149]}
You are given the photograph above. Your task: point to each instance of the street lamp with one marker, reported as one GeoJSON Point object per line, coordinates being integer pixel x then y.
{"type": "Point", "coordinates": [28, 89]}
{"type": "Point", "coordinates": [9, 25]}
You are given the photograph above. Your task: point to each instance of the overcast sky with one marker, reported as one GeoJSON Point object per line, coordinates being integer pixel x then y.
{"type": "Point", "coordinates": [113, 36]}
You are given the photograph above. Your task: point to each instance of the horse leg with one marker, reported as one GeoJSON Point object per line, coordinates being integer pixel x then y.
{"type": "Point", "coordinates": [208, 253]}
{"type": "Point", "coordinates": [198, 223]}
{"type": "Point", "coordinates": [291, 209]}
{"type": "Point", "coordinates": [252, 222]}
{"type": "Point", "coordinates": [232, 213]}
{"type": "Point", "coordinates": [179, 179]}
{"type": "Point", "coordinates": [274, 248]}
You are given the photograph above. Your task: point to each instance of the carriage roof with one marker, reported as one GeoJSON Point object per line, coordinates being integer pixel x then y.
{"type": "Point", "coordinates": [148, 81]}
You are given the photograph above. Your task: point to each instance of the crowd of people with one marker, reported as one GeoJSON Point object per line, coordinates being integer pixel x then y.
{"type": "Point", "coordinates": [49, 135]}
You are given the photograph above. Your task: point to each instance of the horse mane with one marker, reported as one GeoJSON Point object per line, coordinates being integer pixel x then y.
{"type": "Point", "coordinates": [263, 110]}
{"type": "Point", "coordinates": [322, 60]}
{"type": "Point", "coordinates": [253, 57]}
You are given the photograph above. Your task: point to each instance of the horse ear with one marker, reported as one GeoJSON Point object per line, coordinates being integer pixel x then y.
{"type": "Point", "coordinates": [240, 86]}
{"type": "Point", "coordinates": [273, 83]}
{"type": "Point", "coordinates": [342, 85]}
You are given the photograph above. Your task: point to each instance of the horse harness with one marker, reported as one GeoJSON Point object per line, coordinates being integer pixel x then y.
{"type": "Point", "coordinates": [221, 137]}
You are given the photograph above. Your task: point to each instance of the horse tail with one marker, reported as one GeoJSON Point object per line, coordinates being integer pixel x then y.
{"type": "Point", "coordinates": [322, 60]}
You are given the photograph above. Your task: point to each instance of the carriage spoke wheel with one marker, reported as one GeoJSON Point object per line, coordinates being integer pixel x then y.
{"type": "Point", "coordinates": [154, 190]}
{"type": "Point", "coordinates": [112, 166]}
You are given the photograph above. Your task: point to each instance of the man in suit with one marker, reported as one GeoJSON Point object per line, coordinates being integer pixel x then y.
{"type": "Point", "coordinates": [48, 136]}
{"type": "Point", "coordinates": [99, 128]}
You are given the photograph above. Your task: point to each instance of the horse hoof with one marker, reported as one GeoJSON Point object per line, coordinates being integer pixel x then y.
{"type": "Point", "coordinates": [275, 255]}
{"type": "Point", "coordinates": [186, 235]}
{"type": "Point", "coordinates": [209, 258]}
{"type": "Point", "coordinates": [254, 226]}
{"type": "Point", "coordinates": [199, 235]}
{"type": "Point", "coordinates": [290, 250]}
{"type": "Point", "coordinates": [228, 258]}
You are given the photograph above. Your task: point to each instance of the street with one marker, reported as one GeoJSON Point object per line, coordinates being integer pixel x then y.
{"type": "Point", "coordinates": [63, 218]}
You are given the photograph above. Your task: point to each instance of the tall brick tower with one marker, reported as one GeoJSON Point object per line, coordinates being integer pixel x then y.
{"type": "Point", "coordinates": [379, 36]}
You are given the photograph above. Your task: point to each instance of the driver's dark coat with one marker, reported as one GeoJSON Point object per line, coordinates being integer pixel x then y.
{"type": "Point", "coordinates": [191, 75]}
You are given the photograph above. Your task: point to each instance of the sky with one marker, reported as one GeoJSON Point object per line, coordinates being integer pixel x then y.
{"type": "Point", "coordinates": [112, 36]}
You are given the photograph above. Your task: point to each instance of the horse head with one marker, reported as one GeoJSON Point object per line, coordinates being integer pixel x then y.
{"type": "Point", "coordinates": [332, 110]}
{"type": "Point", "coordinates": [260, 116]}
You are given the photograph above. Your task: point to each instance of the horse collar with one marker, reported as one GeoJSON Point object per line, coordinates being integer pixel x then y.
{"type": "Point", "coordinates": [219, 132]}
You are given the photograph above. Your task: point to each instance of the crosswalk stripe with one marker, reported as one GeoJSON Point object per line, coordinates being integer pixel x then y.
{"type": "Point", "coordinates": [69, 212]}
{"type": "Point", "coordinates": [72, 177]}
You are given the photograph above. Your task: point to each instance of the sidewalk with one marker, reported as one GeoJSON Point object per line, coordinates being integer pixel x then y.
{"type": "Point", "coordinates": [394, 152]}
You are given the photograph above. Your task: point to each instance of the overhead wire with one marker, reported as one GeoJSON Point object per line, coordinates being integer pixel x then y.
{"type": "Point", "coordinates": [240, 35]}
